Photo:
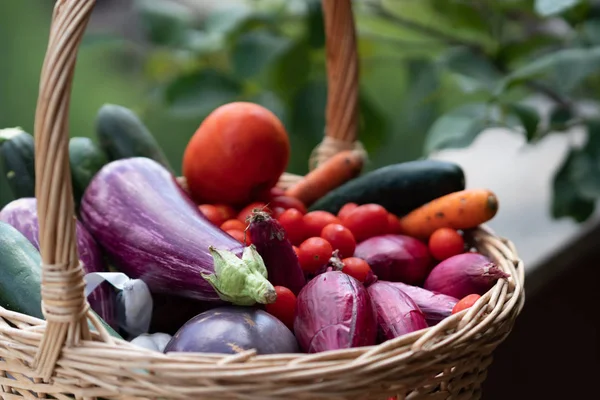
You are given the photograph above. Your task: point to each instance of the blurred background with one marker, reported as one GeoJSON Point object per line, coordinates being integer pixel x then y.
{"type": "Point", "coordinates": [508, 89]}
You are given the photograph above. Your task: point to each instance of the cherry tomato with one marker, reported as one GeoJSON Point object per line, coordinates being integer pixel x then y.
{"type": "Point", "coordinates": [315, 221]}
{"type": "Point", "coordinates": [367, 221]}
{"type": "Point", "coordinates": [345, 210]}
{"type": "Point", "coordinates": [297, 251]}
{"type": "Point", "coordinates": [227, 212]}
{"type": "Point", "coordinates": [277, 212]}
{"type": "Point", "coordinates": [340, 238]}
{"type": "Point", "coordinates": [465, 302]}
{"type": "Point", "coordinates": [284, 308]}
{"type": "Point", "coordinates": [445, 243]}
{"type": "Point", "coordinates": [288, 202]}
{"type": "Point", "coordinates": [233, 224]}
{"type": "Point", "coordinates": [394, 226]}
{"type": "Point", "coordinates": [212, 213]}
{"type": "Point", "coordinates": [292, 222]}
{"type": "Point", "coordinates": [357, 268]}
{"type": "Point", "coordinates": [247, 211]}
{"type": "Point", "coordinates": [240, 236]}
{"type": "Point", "coordinates": [315, 252]}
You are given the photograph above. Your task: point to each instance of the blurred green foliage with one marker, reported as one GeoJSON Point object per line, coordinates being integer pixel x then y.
{"type": "Point", "coordinates": [434, 74]}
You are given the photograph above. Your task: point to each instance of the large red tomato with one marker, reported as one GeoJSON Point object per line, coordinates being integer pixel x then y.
{"type": "Point", "coordinates": [237, 155]}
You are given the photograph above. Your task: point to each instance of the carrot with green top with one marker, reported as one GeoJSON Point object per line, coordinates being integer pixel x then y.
{"type": "Point", "coordinates": [465, 209]}
{"type": "Point", "coordinates": [334, 172]}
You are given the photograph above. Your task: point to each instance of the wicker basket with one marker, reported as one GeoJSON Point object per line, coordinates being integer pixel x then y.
{"type": "Point", "coordinates": [60, 358]}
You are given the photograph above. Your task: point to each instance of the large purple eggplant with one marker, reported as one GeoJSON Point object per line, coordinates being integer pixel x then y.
{"type": "Point", "coordinates": [22, 214]}
{"type": "Point", "coordinates": [232, 330]}
{"type": "Point", "coordinates": [151, 230]}
{"type": "Point", "coordinates": [334, 311]}
{"type": "Point", "coordinates": [397, 313]}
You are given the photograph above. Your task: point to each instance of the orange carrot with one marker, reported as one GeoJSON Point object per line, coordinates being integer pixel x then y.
{"type": "Point", "coordinates": [459, 210]}
{"type": "Point", "coordinates": [337, 170]}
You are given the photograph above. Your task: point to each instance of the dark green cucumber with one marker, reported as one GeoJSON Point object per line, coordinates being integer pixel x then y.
{"type": "Point", "coordinates": [400, 188]}
{"type": "Point", "coordinates": [21, 275]}
{"type": "Point", "coordinates": [121, 134]}
{"type": "Point", "coordinates": [17, 156]}
{"type": "Point", "coordinates": [86, 159]}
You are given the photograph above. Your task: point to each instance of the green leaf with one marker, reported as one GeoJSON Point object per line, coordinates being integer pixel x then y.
{"type": "Point", "coordinates": [565, 68]}
{"type": "Point", "coordinates": [201, 92]}
{"type": "Point", "coordinates": [546, 8]}
{"type": "Point", "coordinates": [560, 117]}
{"type": "Point", "coordinates": [309, 103]}
{"type": "Point", "coordinates": [254, 51]}
{"type": "Point", "coordinates": [590, 31]}
{"type": "Point", "coordinates": [529, 118]}
{"type": "Point", "coordinates": [204, 42]}
{"type": "Point", "coordinates": [273, 103]}
{"type": "Point", "coordinates": [291, 70]}
{"type": "Point", "coordinates": [315, 24]}
{"type": "Point", "coordinates": [475, 72]}
{"type": "Point", "coordinates": [457, 128]}
{"type": "Point", "coordinates": [567, 199]}
{"type": "Point", "coordinates": [165, 23]}
{"type": "Point", "coordinates": [227, 19]}
{"type": "Point", "coordinates": [372, 124]}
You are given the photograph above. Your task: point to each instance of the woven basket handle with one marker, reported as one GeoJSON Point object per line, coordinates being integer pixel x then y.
{"type": "Point", "coordinates": [65, 307]}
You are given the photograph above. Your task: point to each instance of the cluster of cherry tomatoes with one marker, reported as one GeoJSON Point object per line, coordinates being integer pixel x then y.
{"type": "Point", "coordinates": [317, 236]}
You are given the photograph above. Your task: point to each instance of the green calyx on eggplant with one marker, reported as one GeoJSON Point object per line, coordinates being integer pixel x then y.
{"type": "Point", "coordinates": [242, 282]}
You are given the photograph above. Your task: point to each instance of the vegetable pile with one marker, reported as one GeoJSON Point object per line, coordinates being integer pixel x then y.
{"type": "Point", "coordinates": [234, 262]}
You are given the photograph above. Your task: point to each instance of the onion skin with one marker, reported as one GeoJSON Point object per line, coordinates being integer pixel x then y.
{"type": "Point", "coordinates": [396, 258]}
{"type": "Point", "coordinates": [397, 313]}
{"type": "Point", "coordinates": [151, 230]}
{"type": "Point", "coordinates": [334, 311]}
{"type": "Point", "coordinates": [230, 330]}
{"type": "Point", "coordinates": [464, 274]}
{"type": "Point", "coordinates": [22, 215]}
{"type": "Point", "coordinates": [283, 266]}
{"type": "Point", "coordinates": [435, 306]}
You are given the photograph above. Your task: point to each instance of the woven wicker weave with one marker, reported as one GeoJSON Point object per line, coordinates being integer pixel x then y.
{"type": "Point", "coordinates": [60, 358]}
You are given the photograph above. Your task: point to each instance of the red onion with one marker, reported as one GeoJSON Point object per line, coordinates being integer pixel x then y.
{"type": "Point", "coordinates": [396, 258]}
{"type": "Point", "coordinates": [397, 314]}
{"type": "Point", "coordinates": [464, 274]}
{"type": "Point", "coordinates": [334, 312]}
{"type": "Point", "coordinates": [435, 306]}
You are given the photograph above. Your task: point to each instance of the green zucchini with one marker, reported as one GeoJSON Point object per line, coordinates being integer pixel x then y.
{"type": "Point", "coordinates": [21, 275]}
{"type": "Point", "coordinates": [121, 134]}
{"type": "Point", "coordinates": [17, 156]}
{"type": "Point", "coordinates": [86, 159]}
{"type": "Point", "coordinates": [400, 188]}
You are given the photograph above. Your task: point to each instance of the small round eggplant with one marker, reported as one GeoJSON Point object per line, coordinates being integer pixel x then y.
{"type": "Point", "coordinates": [231, 330]}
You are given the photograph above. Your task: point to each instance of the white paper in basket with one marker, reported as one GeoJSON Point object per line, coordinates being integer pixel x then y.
{"type": "Point", "coordinates": [133, 301]}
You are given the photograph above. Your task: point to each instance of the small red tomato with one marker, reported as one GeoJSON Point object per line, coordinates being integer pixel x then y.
{"type": "Point", "coordinates": [247, 211]}
{"type": "Point", "coordinates": [284, 308]}
{"type": "Point", "coordinates": [212, 213]}
{"type": "Point", "coordinates": [240, 236]}
{"type": "Point", "coordinates": [288, 202]}
{"type": "Point", "coordinates": [233, 224]}
{"type": "Point", "coordinates": [357, 268]}
{"type": "Point", "coordinates": [445, 243]}
{"type": "Point", "coordinates": [292, 222]}
{"type": "Point", "coordinates": [316, 252]}
{"type": "Point", "coordinates": [465, 302]}
{"type": "Point", "coordinates": [227, 212]}
{"type": "Point", "coordinates": [346, 209]}
{"type": "Point", "coordinates": [394, 226]}
{"type": "Point", "coordinates": [340, 238]}
{"type": "Point", "coordinates": [315, 221]}
{"type": "Point", "coordinates": [367, 221]}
